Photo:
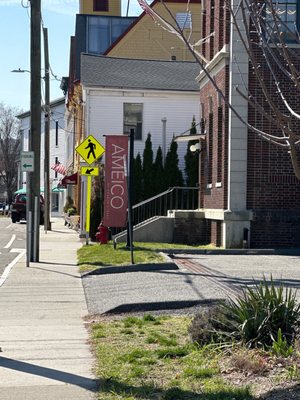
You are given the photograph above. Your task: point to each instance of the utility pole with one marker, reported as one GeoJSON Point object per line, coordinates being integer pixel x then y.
{"type": "Point", "coordinates": [47, 223]}
{"type": "Point", "coordinates": [33, 186]}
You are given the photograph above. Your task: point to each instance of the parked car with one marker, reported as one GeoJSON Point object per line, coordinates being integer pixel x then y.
{"type": "Point", "coordinates": [4, 209]}
{"type": "Point", "coordinates": [18, 208]}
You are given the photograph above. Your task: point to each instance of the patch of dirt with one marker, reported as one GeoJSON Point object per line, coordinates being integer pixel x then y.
{"type": "Point", "coordinates": [270, 378]}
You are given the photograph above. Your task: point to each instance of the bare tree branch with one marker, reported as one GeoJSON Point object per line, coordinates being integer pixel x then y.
{"type": "Point", "coordinates": [9, 149]}
{"type": "Point", "coordinates": [263, 33]}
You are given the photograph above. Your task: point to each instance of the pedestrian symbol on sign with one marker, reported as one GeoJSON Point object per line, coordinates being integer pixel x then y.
{"type": "Point", "coordinates": [91, 146]}
{"type": "Point", "coordinates": [90, 149]}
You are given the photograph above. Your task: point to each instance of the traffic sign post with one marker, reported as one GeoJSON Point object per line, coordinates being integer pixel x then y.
{"type": "Point", "coordinates": [27, 165]}
{"type": "Point", "coordinates": [90, 150]}
{"type": "Point", "coordinates": [88, 208]}
{"type": "Point", "coordinates": [27, 161]}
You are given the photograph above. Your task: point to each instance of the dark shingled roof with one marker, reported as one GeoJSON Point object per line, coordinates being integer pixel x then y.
{"type": "Point", "coordinates": [111, 72]}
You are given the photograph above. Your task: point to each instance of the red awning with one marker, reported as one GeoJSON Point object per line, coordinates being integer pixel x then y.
{"type": "Point", "coordinates": [70, 179]}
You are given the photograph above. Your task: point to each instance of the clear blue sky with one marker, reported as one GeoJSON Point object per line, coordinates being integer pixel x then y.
{"type": "Point", "coordinates": [59, 17]}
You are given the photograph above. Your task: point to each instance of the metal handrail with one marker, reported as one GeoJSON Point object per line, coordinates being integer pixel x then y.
{"type": "Point", "coordinates": [177, 197]}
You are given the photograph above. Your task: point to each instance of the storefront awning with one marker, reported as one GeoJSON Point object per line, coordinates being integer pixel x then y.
{"type": "Point", "coordinates": [23, 190]}
{"type": "Point", "coordinates": [187, 138]}
{"type": "Point", "coordinates": [70, 179]}
{"type": "Point", "coordinates": [58, 190]}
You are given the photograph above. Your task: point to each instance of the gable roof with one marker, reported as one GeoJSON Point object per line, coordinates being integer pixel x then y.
{"type": "Point", "coordinates": [138, 19]}
{"type": "Point", "coordinates": [112, 72]}
{"type": "Point", "coordinates": [53, 103]}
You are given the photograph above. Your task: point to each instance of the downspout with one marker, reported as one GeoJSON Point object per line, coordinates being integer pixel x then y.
{"type": "Point", "coordinates": [164, 138]}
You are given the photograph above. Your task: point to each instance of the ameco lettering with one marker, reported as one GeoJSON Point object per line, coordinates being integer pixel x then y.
{"type": "Point", "coordinates": [117, 178]}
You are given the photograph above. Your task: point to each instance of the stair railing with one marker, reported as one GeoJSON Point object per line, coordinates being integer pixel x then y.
{"type": "Point", "coordinates": [175, 198]}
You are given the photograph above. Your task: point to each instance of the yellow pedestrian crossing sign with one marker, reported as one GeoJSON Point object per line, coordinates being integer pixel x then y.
{"type": "Point", "coordinates": [89, 171]}
{"type": "Point", "coordinates": [90, 149]}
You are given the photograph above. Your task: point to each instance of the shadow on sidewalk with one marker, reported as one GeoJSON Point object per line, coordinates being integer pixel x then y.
{"type": "Point", "coordinates": [77, 380]}
{"type": "Point", "coordinates": [56, 272]}
{"type": "Point", "coordinates": [65, 232]}
{"type": "Point", "coordinates": [58, 263]}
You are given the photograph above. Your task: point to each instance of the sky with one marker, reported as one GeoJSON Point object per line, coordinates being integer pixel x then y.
{"type": "Point", "coordinates": [59, 18]}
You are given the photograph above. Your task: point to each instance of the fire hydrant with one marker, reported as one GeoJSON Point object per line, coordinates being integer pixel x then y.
{"type": "Point", "coordinates": [102, 235]}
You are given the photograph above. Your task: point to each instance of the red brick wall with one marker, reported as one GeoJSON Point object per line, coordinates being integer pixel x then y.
{"type": "Point", "coordinates": [275, 229]}
{"type": "Point", "coordinates": [273, 191]}
{"type": "Point", "coordinates": [214, 157]}
{"type": "Point", "coordinates": [215, 154]}
{"type": "Point", "coordinates": [191, 231]}
{"type": "Point", "coordinates": [271, 181]}
{"type": "Point", "coordinates": [214, 20]}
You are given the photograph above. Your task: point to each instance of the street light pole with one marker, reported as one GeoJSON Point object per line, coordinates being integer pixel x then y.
{"type": "Point", "coordinates": [33, 186]}
{"type": "Point", "coordinates": [47, 223]}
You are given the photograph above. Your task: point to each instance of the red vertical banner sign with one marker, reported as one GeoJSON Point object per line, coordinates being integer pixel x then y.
{"type": "Point", "coordinates": [115, 186]}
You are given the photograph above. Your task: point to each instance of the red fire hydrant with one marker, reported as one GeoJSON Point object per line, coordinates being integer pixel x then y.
{"type": "Point", "coordinates": [102, 235]}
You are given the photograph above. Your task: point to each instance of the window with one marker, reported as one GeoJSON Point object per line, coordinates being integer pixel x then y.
{"type": "Point", "coordinates": [100, 5]}
{"type": "Point", "coordinates": [285, 21]}
{"type": "Point", "coordinates": [133, 119]}
{"type": "Point", "coordinates": [56, 133]}
{"type": "Point", "coordinates": [55, 202]}
{"type": "Point", "coordinates": [56, 162]}
{"type": "Point", "coordinates": [118, 26]}
{"type": "Point", "coordinates": [184, 20]}
{"type": "Point", "coordinates": [98, 35]}
{"type": "Point", "coordinates": [211, 30]}
{"type": "Point", "coordinates": [219, 142]}
{"type": "Point", "coordinates": [210, 146]}
{"type": "Point", "coordinates": [102, 31]}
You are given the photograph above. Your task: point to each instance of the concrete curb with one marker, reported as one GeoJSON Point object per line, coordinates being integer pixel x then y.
{"type": "Point", "coordinates": [238, 252]}
{"type": "Point", "coordinates": [169, 264]}
{"type": "Point", "coordinates": [131, 268]}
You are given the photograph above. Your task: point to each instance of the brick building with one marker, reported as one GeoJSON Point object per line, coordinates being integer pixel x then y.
{"type": "Point", "coordinates": [249, 191]}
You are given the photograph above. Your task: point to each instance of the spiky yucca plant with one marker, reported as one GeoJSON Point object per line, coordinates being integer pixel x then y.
{"type": "Point", "coordinates": [262, 310]}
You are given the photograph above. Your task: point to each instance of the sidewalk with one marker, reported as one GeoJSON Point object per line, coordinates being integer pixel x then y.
{"type": "Point", "coordinates": [45, 352]}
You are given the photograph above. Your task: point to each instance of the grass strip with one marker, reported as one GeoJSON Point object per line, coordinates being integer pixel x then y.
{"type": "Point", "coordinates": [153, 358]}
{"type": "Point", "coordinates": [97, 256]}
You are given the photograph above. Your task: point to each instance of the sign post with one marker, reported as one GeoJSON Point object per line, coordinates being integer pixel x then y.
{"type": "Point", "coordinates": [90, 150]}
{"type": "Point", "coordinates": [27, 165]}
{"type": "Point", "coordinates": [88, 207]}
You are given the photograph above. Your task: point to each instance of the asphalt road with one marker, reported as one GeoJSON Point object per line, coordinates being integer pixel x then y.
{"type": "Point", "coordinates": [192, 281]}
{"type": "Point", "coordinates": [12, 242]}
